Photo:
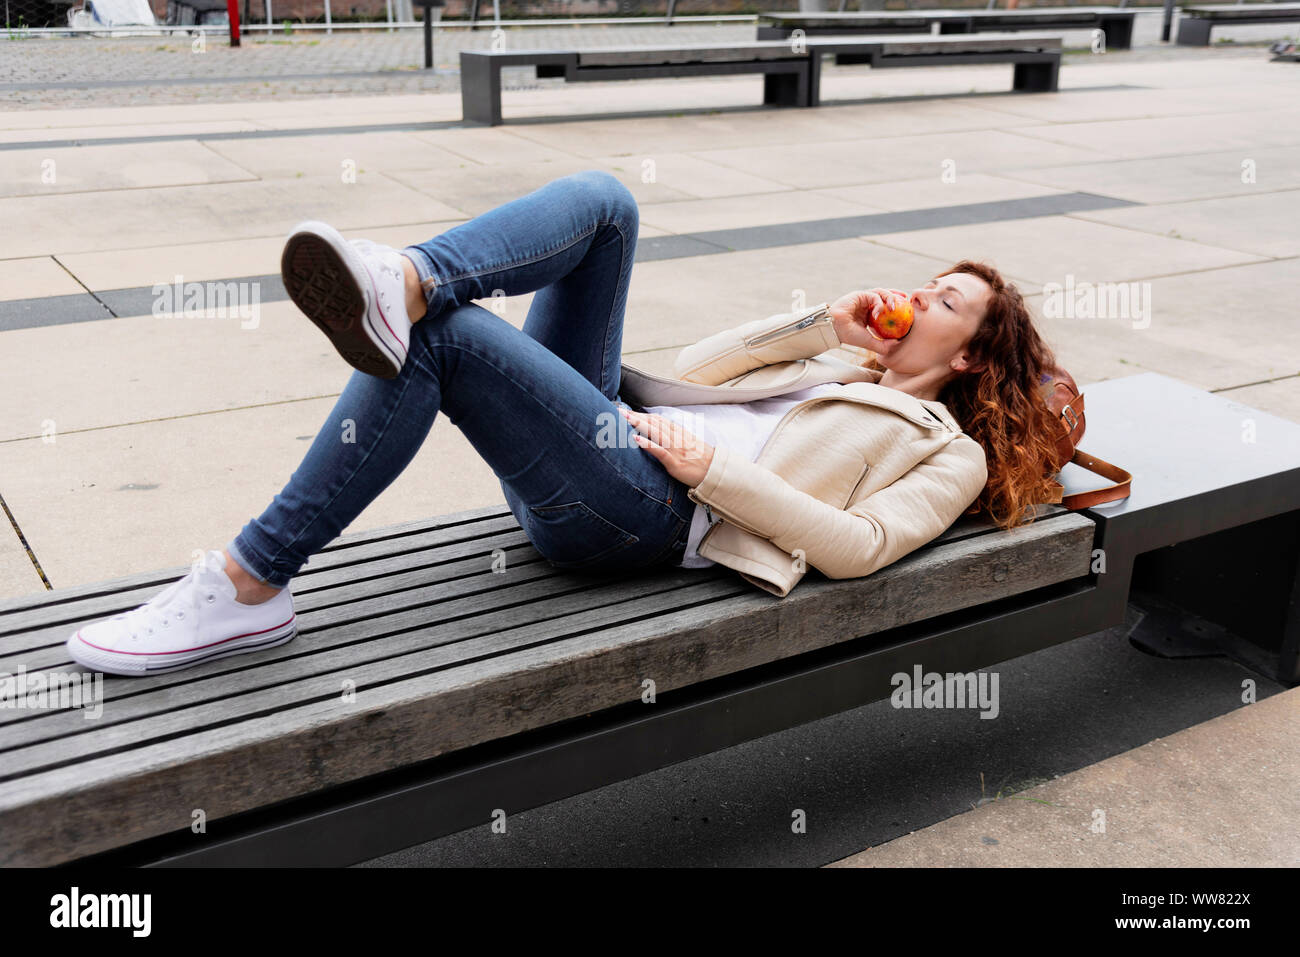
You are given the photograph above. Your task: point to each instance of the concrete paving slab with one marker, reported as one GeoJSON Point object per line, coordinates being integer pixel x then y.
{"type": "Point", "coordinates": [490, 146]}
{"type": "Point", "coordinates": [37, 276]}
{"type": "Point", "coordinates": [116, 220]}
{"type": "Point", "coordinates": [107, 502]}
{"type": "Point", "coordinates": [1107, 348]}
{"type": "Point", "coordinates": [1176, 135]}
{"type": "Point", "coordinates": [265, 113]}
{"type": "Point", "coordinates": [146, 368]}
{"type": "Point", "coordinates": [472, 192]}
{"type": "Point", "coordinates": [1281, 398]}
{"type": "Point", "coordinates": [932, 191]}
{"type": "Point", "coordinates": [1173, 179]}
{"type": "Point", "coordinates": [790, 206]}
{"type": "Point", "coordinates": [850, 163]}
{"type": "Point", "coordinates": [83, 169]}
{"type": "Point", "coordinates": [56, 130]}
{"type": "Point", "coordinates": [1047, 248]}
{"type": "Point", "coordinates": [337, 155]}
{"type": "Point", "coordinates": [651, 135]}
{"type": "Point", "coordinates": [1225, 793]}
{"type": "Point", "coordinates": [1261, 224]}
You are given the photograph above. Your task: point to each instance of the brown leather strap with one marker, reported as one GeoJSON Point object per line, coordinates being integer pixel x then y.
{"type": "Point", "coordinates": [1121, 487]}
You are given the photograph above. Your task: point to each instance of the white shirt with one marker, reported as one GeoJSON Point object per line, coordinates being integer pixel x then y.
{"type": "Point", "coordinates": [743, 427]}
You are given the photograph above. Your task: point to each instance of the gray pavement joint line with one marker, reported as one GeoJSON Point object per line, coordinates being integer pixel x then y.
{"type": "Point", "coordinates": [1247, 385]}
{"type": "Point", "coordinates": [90, 292]}
{"type": "Point", "coordinates": [22, 539]}
{"type": "Point", "coordinates": [1260, 257]}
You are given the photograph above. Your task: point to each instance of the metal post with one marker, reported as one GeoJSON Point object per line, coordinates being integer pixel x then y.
{"type": "Point", "coordinates": [1169, 19]}
{"type": "Point", "coordinates": [269, 21]}
{"type": "Point", "coordinates": [329, 23]}
{"type": "Point", "coordinates": [428, 36]}
{"type": "Point", "coordinates": [232, 10]}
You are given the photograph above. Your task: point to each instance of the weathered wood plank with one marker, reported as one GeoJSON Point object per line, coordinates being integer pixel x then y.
{"type": "Point", "coordinates": [340, 551]}
{"type": "Point", "coordinates": [400, 717]}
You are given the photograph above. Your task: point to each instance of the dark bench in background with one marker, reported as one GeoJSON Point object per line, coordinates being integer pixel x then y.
{"type": "Point", "coordinates": [1196, 22]}
{"type": "Point", "coordinates": [478, 690]}
{"type": "Point", "coordinates": [791, 73]}
{"type": "Point", "coordinates": [1115, 22]}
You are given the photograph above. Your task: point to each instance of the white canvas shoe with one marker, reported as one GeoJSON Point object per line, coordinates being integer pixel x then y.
{"type": "Point", "coordinates": [192, 621]}
{"type": "Point", "coordinates": [355, 292]}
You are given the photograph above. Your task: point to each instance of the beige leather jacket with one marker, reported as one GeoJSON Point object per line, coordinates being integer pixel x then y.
{"type": "Point", "coordinates": [846, 484]}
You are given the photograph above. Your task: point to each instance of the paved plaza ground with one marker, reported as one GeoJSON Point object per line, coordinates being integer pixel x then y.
{"type": "Point", "coordinates": [129, 439]}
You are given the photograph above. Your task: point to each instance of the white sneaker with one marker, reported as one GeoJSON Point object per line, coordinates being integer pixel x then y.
{"type": "Point", "coordinates": [355, 292]}
{"type": "Point", "coordinates": [193, 620]}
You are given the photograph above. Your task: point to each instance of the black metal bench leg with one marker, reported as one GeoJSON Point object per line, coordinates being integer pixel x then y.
{"type": "Point", "coordinates": [480, 91]}
{"type": "Point", "coordinates": [1119, 33]}
{"type": "Point", "coordinates": [1193, 32]}
{"type": "Point", "coordinates": [1036, 77]}
{"type": "Point", "coordinates": [786, 89]}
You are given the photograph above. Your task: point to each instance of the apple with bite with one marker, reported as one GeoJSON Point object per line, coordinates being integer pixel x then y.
{"type": "Point", "coordinates": [891, 323]}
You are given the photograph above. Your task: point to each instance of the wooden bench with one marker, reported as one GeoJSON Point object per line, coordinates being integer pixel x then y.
{"type": "Point", "coordinates": [1115, 22]}
{"type": "Point", "coordinates": [791, 72]}
{"type": "Point", "coordinates": [445, 672]}
{"type": "Point", "coordinates": [1196, 22]}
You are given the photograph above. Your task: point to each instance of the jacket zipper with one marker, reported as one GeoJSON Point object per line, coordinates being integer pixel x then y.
{"type": "Point", "coordinates": [857, 485]}
{"type": "Point", "coordinates": [821, 313]}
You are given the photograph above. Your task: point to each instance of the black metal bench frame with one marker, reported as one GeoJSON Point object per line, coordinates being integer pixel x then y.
{"type": "Point", "coordinates": [791, 72]}
{"type": "Point", "coordinates": [1116, 23]}
{"type": "Point", "coordinates": [1196, 22]}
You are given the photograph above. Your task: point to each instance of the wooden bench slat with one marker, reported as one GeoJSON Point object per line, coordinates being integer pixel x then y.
{"type": "Point", "coordinates": [323, 559]}
{"type": "Point", "coordinates": [85, 602]}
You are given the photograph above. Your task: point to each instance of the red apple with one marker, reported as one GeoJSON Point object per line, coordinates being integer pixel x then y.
{"type": "Point", "coordinates": [891, 323]}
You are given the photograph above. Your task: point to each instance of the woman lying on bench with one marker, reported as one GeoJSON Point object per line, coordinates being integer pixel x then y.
{"type": "Point", "coordinates": [776, 456]}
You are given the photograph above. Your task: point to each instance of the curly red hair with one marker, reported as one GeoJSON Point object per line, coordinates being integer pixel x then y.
{"type": "Point", "coordinates": [999, 404]}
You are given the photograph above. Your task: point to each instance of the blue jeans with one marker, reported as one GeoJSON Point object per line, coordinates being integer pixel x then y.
{"type": "Point", "coordinates": [539, 405]}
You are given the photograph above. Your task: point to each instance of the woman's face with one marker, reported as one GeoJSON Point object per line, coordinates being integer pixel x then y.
{"type": "Point", "coordinates": [946, 314]}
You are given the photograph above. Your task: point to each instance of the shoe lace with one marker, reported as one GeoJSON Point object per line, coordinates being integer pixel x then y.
{"type": "Point", "coordinates": [386, 261]}
{"type": "Point", "coordinates": [186, 596]}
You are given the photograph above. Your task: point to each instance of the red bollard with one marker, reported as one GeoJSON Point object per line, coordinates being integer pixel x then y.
{"type": "Point", "coordinates": [232, 7]}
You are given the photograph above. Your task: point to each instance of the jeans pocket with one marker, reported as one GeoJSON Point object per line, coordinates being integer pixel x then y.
{"type": "Point", "coordinates": [572, 535]}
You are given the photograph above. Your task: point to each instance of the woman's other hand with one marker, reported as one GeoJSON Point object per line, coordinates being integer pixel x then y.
{"type": "Point", "coordinates": [850, 312]}
{"type": "Point", "coordinates": [686, 457]}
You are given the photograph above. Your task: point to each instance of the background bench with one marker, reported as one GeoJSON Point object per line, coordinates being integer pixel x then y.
{"type": "Point", "coordinates": [791, 76]}
{"type": "Point", "coordinates": [1116, 22]}
{"type": "Point", "coordinates": [477, 690]}
{"type": "Point", "coordinates": [1196, 22]}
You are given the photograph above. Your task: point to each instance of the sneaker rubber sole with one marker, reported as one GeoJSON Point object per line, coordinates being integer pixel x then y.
{"type": "Point", "coordinates": [325, 280]}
